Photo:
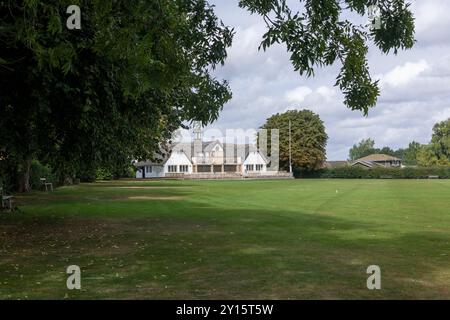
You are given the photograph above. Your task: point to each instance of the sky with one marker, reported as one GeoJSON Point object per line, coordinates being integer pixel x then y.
{"type": "Point", "coordinates": [415, 84]}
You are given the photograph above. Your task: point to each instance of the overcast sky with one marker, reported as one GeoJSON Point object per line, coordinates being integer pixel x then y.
{"type": "Point", "coordinates": [415, 84]}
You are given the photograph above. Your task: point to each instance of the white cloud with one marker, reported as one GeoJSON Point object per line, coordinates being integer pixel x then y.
{"type": "Point", "coordinates": [404, 74]}
{"type": "Point", "coordinates": [326, 92]}
{"type": "Point", "coordinates": [299, 94]}
{"type": "Point", "coordinates": [430, 14]}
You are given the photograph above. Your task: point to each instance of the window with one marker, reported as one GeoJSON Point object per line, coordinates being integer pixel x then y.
{"type": "Point", "coordinates": [184, 168]}
{"type": "Point", "coordinates": [172, 168]}
{"type": "Point", "coordinates": [148, 169]}
{"type": "Point", "coordinates": [249, 167]}
{"type": "Point", "coordinates": [259, 167]}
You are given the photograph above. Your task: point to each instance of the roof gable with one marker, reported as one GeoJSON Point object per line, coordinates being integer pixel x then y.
{"type": "Point", "coordinates": [255, 157]}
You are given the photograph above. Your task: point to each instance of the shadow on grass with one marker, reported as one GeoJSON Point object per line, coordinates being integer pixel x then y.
{"type": "Point", "coordinates": [193, 250]}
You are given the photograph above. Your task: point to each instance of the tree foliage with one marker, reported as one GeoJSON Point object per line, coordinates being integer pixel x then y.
{"type": "Point", "coordinates": [364, 148]}
{"type": "Point", "coordinates": [437, 153]}
{"type": "Point", "coordinates": [110, 92]}
{"type": "Point", "coordinates": [440, 141]}
{"type": "Point", "coordinates": [308, 138]}
{"type": "Point", "coordinates": [318, 35]}
{"type": "Point", "coordinates": [409, 154]}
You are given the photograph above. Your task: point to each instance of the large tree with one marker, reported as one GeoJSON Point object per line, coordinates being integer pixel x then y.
{"type": "Point", "coordinates": [111, 91]}
{"type": "Point", "coordinates": [308, 138]}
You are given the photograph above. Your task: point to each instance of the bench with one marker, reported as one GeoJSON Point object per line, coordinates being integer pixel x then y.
{"type": "Point", "coordinates": [433, 177]}
{"type": "Point", "coordinates": [47, 185]}
{"type": "Point", "coordinates": [7, 201]}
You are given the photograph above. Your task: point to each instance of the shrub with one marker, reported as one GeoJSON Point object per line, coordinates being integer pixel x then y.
{"type": "Point", "coordinates": [103, 174]}
{"type": "Point", "coordinates": [380, 173]}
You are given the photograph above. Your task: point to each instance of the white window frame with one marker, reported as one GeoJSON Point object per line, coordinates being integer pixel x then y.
{"type": "Point", "coordinates": [184, 168]}
{"type": "Point", "coordinates": [172, 168]}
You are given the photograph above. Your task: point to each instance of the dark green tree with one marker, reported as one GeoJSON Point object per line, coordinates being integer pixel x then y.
{"type": "Point", "coordinates": [308, 137]}
{"type": "Point", "coordinates": [107, 93]}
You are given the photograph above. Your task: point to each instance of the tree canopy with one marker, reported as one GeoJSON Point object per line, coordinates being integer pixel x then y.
{"type": "Point", "coordinates": [437, 153]}
{"type": "Point", "coordinates": [308, 138]}
{"type": "Point", "coordinates": [110, 92]}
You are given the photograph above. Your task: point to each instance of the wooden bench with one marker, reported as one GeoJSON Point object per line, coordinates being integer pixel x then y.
{"type": "Point", "coordinates": [7, 201]}
{"type": "Point", "coordinates": [47, 185]}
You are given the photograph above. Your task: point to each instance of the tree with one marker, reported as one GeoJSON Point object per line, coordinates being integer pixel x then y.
{"type": "Point", "coordinates": [440, 141]}
{"type": "Point", "coordinates": [316, 36]}
{"type": "Point", "coordinates": [110, 92]}
{"type": "Point", "coordinates": [364, 148]}
{"type": "Point", "coordinates": [426, 157]}
{"type": "Point", "coordinates": [387, 150]}
{"type": "Point", "coordinates": [437, 153]}
{"type": "Point", "coordinates": [308, 138]}
{"type": "Point", "coordinates": [410, 154]}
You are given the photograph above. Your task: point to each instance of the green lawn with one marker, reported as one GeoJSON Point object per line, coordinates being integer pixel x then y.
{"type": "Point", "coordinates": [291, 239]}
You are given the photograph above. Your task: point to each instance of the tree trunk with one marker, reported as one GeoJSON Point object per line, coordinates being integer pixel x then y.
{"type": "Point", "coordinates": [24, 179]}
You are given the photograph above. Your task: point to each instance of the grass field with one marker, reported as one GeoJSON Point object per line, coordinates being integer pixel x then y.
{"type": "Point", "coordinates": [292, 239]}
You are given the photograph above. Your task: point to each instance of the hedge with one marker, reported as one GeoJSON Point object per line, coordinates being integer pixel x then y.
{"type": "Point", "coordinates": [376, 173]}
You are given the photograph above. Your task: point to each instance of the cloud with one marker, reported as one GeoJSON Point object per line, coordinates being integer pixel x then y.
{"type": "Point", "coordinates": [414, 84]}
{"type": "Point", "coordinates": [299, 94]}
{"type": "Point", "coordinates": [404, 74]}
